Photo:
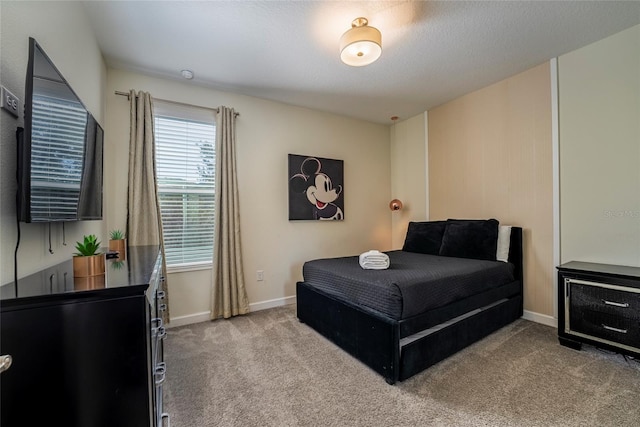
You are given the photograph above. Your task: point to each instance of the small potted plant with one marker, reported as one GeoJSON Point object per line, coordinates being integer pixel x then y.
{"type": "Point", "coordinates": [118, 243]}
{"type": "Point", "coordinates": [88, 261]}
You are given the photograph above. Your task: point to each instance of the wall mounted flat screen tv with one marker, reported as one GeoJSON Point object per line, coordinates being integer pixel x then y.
{"type": "Point", "coordinates": [60, 152]}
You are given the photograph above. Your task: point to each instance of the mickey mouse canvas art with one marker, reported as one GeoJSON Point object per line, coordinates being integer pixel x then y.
{"type": "Point", "coordinates": [316, 188]}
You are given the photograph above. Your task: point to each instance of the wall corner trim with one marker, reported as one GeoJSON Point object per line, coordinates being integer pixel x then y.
{"type": "Point", "coordinates": [555, 142]}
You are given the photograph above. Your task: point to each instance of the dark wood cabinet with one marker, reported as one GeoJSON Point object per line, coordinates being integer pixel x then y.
{"type": "Point", "coordinates": [84, 353]}
{"type": "Point", "coordinates": [599, 304]}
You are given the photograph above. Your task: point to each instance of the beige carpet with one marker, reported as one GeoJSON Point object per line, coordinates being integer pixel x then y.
{"type": "Point", "coordinates": [267, 369]}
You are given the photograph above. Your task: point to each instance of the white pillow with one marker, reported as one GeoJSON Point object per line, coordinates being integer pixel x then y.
{"type": "Point", "coordinates": [504, 241]}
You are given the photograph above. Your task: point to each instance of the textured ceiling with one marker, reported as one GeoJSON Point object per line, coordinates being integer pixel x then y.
{"type": "Point", "coordinates": [287, 51]}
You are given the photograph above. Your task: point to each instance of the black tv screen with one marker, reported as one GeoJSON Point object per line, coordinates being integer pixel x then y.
{"type": "Point", "coordinates": [60, 156]}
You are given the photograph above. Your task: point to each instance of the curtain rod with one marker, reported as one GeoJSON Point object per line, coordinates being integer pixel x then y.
{"type": "Point", "coordinates": [121, 93]}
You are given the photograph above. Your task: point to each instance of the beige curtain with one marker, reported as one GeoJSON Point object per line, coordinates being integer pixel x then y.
{"type": "Point", "coordinates": [144, 223]}
{"type": "Point", "coordinates": [229, 293]}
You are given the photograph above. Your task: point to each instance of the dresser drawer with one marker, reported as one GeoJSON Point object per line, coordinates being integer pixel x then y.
{"type": "Point", "coordinates": [605, 325]}
{"type": "Point", "coordinates": [603, 298]}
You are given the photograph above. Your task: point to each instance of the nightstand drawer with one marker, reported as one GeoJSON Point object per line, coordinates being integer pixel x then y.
{"type": "Point", "coordinates": [606, 325]}
{"type": "Point", "coordinates": [604, 299]}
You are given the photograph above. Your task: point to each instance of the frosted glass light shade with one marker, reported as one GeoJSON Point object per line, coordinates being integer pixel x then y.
{"type": "Point", "coordinates": [361, 45]}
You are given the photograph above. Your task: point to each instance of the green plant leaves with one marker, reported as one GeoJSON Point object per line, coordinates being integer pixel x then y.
{"type": "Point", "coordinates": [89, 247]}
{"type": "Point", "coordinates": [116, 234]}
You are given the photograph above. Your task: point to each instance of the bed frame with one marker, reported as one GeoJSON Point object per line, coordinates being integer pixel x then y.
{"type": "Point", "coordinates": [399, 349]}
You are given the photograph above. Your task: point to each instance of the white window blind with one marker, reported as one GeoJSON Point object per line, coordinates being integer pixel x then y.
{"type": "Point", "coordinates": [57, 150]}
{"type": "Point", "coordinates": [185, 165]}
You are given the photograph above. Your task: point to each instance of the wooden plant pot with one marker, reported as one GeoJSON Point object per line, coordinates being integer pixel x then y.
{"type": "Point", "coordinates": [87, 266]}
{"type": "Point", "coordinates": [120, 246]}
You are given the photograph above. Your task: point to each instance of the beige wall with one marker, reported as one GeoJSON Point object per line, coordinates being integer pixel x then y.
{"type": "Point", "coordinates": [62, 30]}
{"type": "Point", "coordinates": [267, 132]}
{"type": "Point", "coordinates": [409, 178]}
{"type": "Point", "coordinates": [490, 156]}
{"type": "Point", "coordinates": [599, 98]}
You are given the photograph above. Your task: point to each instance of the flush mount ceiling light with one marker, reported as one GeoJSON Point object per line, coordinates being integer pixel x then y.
{"type": "Point", "coordinates": [361, 45]}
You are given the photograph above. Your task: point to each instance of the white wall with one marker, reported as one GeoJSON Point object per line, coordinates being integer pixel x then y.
{"type": "Point", "coordinates": [62, 30]}
{"type": "Point", "coordinates": [599, 116]}
{"type": "Point", "coordinates": [409, 175]}
{"type": "Point", "coordinates": [266, 133]}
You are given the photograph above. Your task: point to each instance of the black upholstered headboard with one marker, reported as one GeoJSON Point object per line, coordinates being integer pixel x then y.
{"type": "Point", "coordinates": [515, 253]}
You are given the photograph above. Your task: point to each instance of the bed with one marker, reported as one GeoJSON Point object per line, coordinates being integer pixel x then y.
{"type": "Point", "coordinates": [453, 283]}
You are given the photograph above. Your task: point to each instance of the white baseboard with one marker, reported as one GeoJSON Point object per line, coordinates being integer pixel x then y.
{"type": "Point", "coordinates": [278, 302]}
{"type": "Point", "coordinates": [206, 315]}
{"type": "Point", "coordinates": [189, 319]}
{"type": "Point", "coordinates": [540, 318]}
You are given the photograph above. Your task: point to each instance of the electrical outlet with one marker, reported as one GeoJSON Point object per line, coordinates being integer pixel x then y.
{"type": "Point", "coordinates": [260, 275]}
{"type": "Point", "coordinates": [9, 101]}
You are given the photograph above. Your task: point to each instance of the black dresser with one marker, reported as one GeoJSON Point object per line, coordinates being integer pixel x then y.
{"type": "Point", "coordinates": [85, 352]}
{"type": "Point", "coordinates": [599, 304]}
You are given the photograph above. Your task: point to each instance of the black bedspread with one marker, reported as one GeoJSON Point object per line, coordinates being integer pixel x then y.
{"type": "Point", "coordinates": [414, 283]}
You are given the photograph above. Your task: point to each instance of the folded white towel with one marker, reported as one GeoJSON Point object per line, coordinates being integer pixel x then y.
{"type": "Point", "coordinates": [374, 260]}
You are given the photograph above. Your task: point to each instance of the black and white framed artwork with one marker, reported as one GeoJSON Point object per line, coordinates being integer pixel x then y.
{"type": "Point", "coordinates": [316, 188]}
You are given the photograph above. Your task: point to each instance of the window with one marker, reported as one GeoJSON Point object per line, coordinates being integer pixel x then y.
{"type": "Point", "coordinates": [185, 167]}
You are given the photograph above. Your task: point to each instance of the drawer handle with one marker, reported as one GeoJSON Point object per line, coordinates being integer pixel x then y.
{"type": "Point", "coordinates": [165, 416]}
{"type": "Point", "coordinates": [161, 294]}
{"type": "Point", "coordinates": [611, 328]}
{"type": "Point", "coordinates": [160, 333]}
{"type": "Point", "coordinates": [162, 307]}
{"type": "Point", "coordinates": [616, 304]}
{"type": "Point", "coordinates": [5, 362]}
{"type": "Point", "coordinates": [159, 330]}
{"type": "Point", "coordinates": [161, 379]}
{"type": "Point", "coordinates": [160, 372]}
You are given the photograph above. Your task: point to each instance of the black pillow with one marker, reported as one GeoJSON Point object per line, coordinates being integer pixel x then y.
{"type": "Point", "coordinates": [424, 237]}
{"type": "Point", "coordinates": [477, 239]}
